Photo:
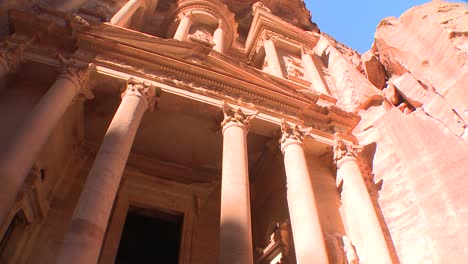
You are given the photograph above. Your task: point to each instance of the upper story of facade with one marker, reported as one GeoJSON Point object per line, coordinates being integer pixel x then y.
{"type": "Point", "coordinates": [267, 54]}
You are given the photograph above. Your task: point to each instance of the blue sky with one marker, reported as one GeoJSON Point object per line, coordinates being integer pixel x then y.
{"type": "Point", "coordinates": [353, 22]}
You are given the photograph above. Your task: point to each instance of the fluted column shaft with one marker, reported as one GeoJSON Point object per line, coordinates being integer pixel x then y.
{"type": "Point", "coordinates": [274, 64]}
{"type": "Point", "coordinates": [362, 219]}
{"type": "Point", "coordinates": [83, 241]}
{"type": "Point", "coordinates": [218, 37]}
{"type": "Point", "coordinates": [312, 74]}
{"type": "Point", "coordinates": [235, 221]}
{"type": "Point", "coordinates": [25, 147]}
{"type": "Point", "coordinates": [309, 242]}
{"type": "Point", "coordinates": [184, 27]}
{"type": "Point", "coordinates": [122, 17]}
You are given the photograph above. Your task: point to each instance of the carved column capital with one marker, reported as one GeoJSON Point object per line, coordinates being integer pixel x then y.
{"type": "Point", "coordinates": [305, 51]}
{"type": "Point", "coordinates": [292, 134]}
{"type": "Point", "coordinates": [149, 93]}
{"type": "Point", "coordinates": [78, 73]}
{"type": "Point", "coordinates": [236, 117]}
{"type": "Point", "coordinates": [221, 24]}
{"type": "Point", "coordinates": [268, 35]}
{"type": "Point", "coordinates": [343, 151]}
{"type": "Point", "coordinates": [184, 14]}
{"type": "Point", "coordinates": [11, 56]}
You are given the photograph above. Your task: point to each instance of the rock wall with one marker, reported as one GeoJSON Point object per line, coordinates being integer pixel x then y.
{"type": "Point", "coordinates": [420, 130]}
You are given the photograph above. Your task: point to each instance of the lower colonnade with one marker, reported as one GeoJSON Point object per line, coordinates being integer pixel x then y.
{"type": "Point", "coordinates": [86, 232]}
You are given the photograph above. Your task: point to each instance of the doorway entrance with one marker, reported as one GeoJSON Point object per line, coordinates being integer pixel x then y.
{"type": "Point", "coordinates": [150, 236]}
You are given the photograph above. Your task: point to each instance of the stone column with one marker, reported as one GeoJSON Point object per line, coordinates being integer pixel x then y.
{"type": "Point", "coordinates": [218, 37]}
{"type": "Point", "coordinates": [83, 241]}
{"type": "Point", "coordinates": [311, 73]}
{"type": "Point", "coordinates": [122, 17]}
{"type": "Point", "coordinates": [271, 57]}
{"type": "Point", "coordinates": [184, 26]}
{"type": "Point", "coordinates": [235, 231]}
{"type": "Point", "coordinates": [364, 226]}
{"type": "Point", "coordinates": [309, 242]}
{"type": "Point", "coordinates": [24, 148]}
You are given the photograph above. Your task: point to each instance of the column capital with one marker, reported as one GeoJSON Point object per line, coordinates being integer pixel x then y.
{"type": "Point", "coordinates": [343, 151]}
{"type": "Point", "coordinates": [268, 35]}
{"type": "Point", "coordinates": [12, 56]}
{"type": "Point", "coordinates": [149, 93]}
{"type": "Point", "coordinates": [236, 117]}
{"type": "Point", "coordinates": [292, 134]}
{"type": "Point", "coordinates": [306, 51]}
{"type": "Point", "coordinates": [187, 14]}
{"type": "Point", "coordinates": [221, 24]}
{"type": "Point", "coordinates": [78, 73]}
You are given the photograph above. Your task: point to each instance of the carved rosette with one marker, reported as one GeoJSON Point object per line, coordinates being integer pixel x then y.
{"type": "Point", "coordinates": [236, 117]}
{"type": "Point", "coordinates": [147, 92]}
{"type": "Point", "coordinates": [78, 73]}
{"type": "Point", "coordinates": [292, 134]}
{"type": "Point", "coordinates": [343, 152]}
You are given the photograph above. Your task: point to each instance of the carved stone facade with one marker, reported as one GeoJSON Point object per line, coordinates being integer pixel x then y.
{"type": "Point", "coordinates": [225, 132]}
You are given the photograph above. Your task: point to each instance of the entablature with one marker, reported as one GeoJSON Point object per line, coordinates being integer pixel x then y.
{"type": "Point", "coordinates": [184, 68]}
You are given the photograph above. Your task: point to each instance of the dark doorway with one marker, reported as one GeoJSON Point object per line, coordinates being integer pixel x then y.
{"type": "Point", "coordinates": [150, 237]}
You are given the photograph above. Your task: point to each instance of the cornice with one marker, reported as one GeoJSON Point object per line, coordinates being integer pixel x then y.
{"type": "Point", "coordinates": [135, 57]}
{"type": "Point", "coordinates": [320, 118]}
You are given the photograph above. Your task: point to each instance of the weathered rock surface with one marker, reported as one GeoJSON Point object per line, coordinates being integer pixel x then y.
{"type": "Point", "coordinates": [429, 41]}
{"type": "Point", "coordinates": [345, 81]}
{"type": "Point", "coordinates": [374, 70]}
{"type": "Point", "coordinates": [420, 131]}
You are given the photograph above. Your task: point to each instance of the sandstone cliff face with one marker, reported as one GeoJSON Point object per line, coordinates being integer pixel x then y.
{"type": "Point", "coordinates": [420, 130]}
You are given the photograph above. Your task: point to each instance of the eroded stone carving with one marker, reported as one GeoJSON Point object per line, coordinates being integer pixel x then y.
{"type": "Point", "coordinates": [104, 9]}
{"type": "Point", "coordinates": [293, 132]}
{"type": "Point", "coordinates": [293, 67]}
{"type": "Point", "coordinates": [236, 117]}
{"type": "Point", "coordinates": [260, 5]}
{"type": "Point", "coordinates": [343, 151]}
{"type": "Point", "coordinates": [78, 73]}
{"type": "Point", "coordinates": [149, 93]}
{"type": "Point", "coordinates": [12, 57]}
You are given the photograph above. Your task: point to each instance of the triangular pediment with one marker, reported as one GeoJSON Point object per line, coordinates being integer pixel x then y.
{"type": "Point", "coordinates": [195, 58]}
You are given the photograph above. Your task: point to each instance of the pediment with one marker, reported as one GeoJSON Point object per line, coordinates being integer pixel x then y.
{"type": "Point", "coordinates": [192, 57]}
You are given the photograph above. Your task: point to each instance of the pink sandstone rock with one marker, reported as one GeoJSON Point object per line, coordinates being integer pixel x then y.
{"type": "Point", "coordinates": [421, 156]}
{"type": "Point", "coordinates": [432, 103]}
{"type": "Point", "coordinates": [374, 69]}
{"type": "Point", "coordinates": [433, 53]}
